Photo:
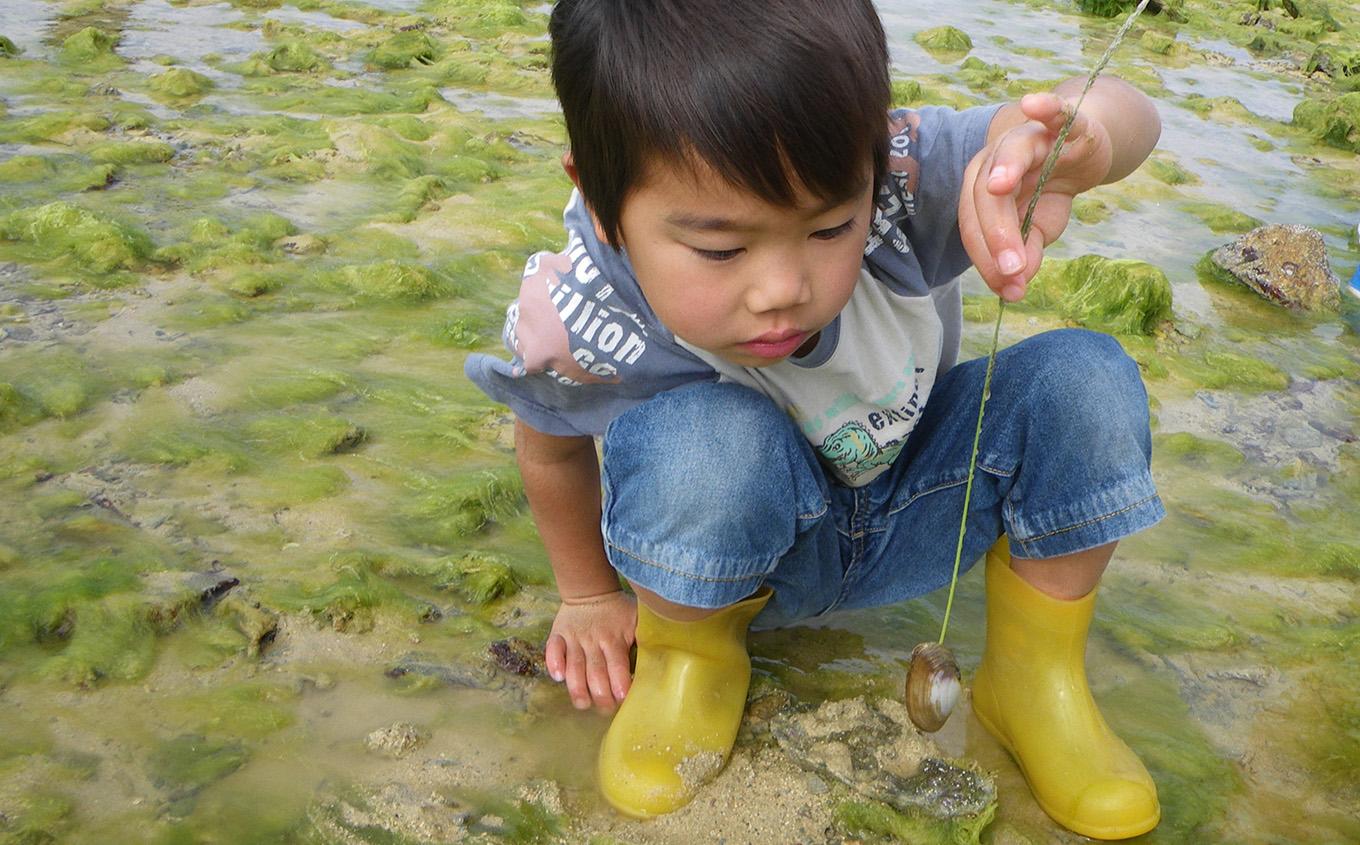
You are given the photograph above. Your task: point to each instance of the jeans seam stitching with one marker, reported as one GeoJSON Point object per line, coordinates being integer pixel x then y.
{"type": "Point", "coordinates": [1092, 520]}
{"type": "Point", "coordinates": [937, 488]}
{"type": "Point", "coordinates": [663, 567]}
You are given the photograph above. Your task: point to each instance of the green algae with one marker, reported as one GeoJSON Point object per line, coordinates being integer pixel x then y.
{"type": "Point", "coordinates": [90, 48]}
{"type": "Point", "coordinates": [1333, 122]}
{"type": "Point", "coordinates": [179, 84]}
{"type": "Point", "coordinates": [51, 126]}
{"type": "Point", "coordinates": [1091, 211]}
{"type": "Point", "coordinates": [186, 764]}
{"type": "Point", "coordinates": [391, 281]}
{"type": "Point", "coordinates": [208, 244]}
{"type": "Point", "coordinates": [1120, 296]}
{"type": "Point", "coordinates": [1162, 44]}
{"type": "Point", "coordinates": [404, 50]}
{"type": "Point", "coordinates": [1169, 172]}
{"type": "Point", "coordinates": [944, 39]}
{"type": "Point", "coordinates": [72, 237]}
{"type": "Point", "coordinates": [980, 76]}
{"type": "Point", "coordinates": [131, 152]}
{"type": "Point", "coordinates": [8, 50]}
{"type": "Point", "coordinates": [444, 510]}
{"type": "Point", "coordinates": [1187, 450]}
{"type": "Point", "coordinates": [875, 819]}
{"type": "Point", "coordinates": [479, 578]}
{"type": "Point", "coordinates": [40, 818]}
{"type": "Point", "coordinates": [1219, 369]}
{"type": "Point", "coordinates": [1220, 218]}
{"type": "Point", "coordinates": [288, 57]}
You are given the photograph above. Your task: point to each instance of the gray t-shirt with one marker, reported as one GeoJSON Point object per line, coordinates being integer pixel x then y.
{"type": "Point", "coordinates": [587, 346]}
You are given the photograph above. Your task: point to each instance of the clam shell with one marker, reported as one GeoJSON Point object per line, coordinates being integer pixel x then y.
{"type": "Point", "coordinates": [933, 686]}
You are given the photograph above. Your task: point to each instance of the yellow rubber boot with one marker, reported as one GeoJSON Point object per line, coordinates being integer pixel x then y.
{"type": "Point", "coordinates": [1031, 694]}
{"type": "Point", "coordinates": [677, 724]}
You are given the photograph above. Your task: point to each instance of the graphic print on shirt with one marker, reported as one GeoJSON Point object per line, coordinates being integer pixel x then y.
{"type": "Point", "coordinates": [562, 325]}
{"type": "Point", "coordinates": [897, 196]}
{"type": "Point", "coordinates": [854, 448]}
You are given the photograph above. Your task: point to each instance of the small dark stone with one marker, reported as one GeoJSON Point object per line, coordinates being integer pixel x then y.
{"type": "Point", "coordinates": [518, 657]}
{"type": "Point", "coordinates": [42, 476]}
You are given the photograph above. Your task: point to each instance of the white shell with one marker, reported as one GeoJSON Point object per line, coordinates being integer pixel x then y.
{"type": "Point", "coordinates": [933, 686]}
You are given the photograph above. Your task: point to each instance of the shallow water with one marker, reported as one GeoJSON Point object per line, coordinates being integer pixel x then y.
{"type": "Point", "coordinates": [264, 380]}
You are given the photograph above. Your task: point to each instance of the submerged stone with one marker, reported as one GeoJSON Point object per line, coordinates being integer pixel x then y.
{"type": "Point", "coordinates": [397, 740]}
{"type": "Point", "coordinates": [288, 57]}
{"type": "Point", "coordinates": [944, 39]}
{"type": "Point", "coordinates": [871, 747]}
{"type": "Point", "coordinates": [1286, 265]}
{"type": "Point", "coordinates": [1120, 296]}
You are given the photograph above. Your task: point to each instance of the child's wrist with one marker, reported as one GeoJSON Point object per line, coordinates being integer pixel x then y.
{"type": "Point", "coordinates": [588, 600]}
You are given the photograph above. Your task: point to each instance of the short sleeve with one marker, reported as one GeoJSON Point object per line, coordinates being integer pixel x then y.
{"type": "Point", "coordinates": [916, 223]}
{"type": "Point", "coordinates": [584, 346]}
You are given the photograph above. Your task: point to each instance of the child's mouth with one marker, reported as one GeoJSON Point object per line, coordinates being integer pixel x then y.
{"type": "Point", "coordinates": [775, 344]}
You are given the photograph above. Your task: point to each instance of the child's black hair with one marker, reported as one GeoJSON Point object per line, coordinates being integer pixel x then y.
{"type": "Point", "coordinates": [774, 95]}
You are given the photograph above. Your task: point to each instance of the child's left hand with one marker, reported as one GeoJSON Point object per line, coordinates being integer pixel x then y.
{"type": "Point", "coordinates": [1000, 180]}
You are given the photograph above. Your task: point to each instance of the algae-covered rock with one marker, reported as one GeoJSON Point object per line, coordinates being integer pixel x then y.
{"type": "Point", "coordinates": [1341, 64]}
{"type": "Point", "coordinates": [1161, 44]}
{"type": "Point", "coordinates": [479, 578]}
{"type": "Point", "coordinates": [89, 46]}
{"type": "Point", "coordinates": [64, 230]}
{"type": "Point", "coordinates": [944, 39]}
{"type": "Point", "coordinates": [1284, 264]}
{"type": "Point", "coordinates": [978, 75]}
{"type": "Point", "coordinates": [288, 57]}
{"type": "Point", "coordinates": [872, 748]}
{"type": "Point", "coordinates": [1334, 122]}
{"type": "Point", "coordinates": [180, 83]}
{"type": "Point", "coordinates": [24, 168]}
{"type": "Point", "coordinates": [403, 50]}
{"type": "Point", "coordinates": [1120, 296]}
{"type": "Point", "coordinates": [8, 50]}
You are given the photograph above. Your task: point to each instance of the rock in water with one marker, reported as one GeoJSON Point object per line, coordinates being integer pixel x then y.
{"type": "Point", "coordinates": [872, 748]}
{"type": "Point", "coordinates": [1284, 264]}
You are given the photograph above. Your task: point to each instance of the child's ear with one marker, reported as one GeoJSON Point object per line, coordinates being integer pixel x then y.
{"type": "Point", "coordinates": [569, 165]}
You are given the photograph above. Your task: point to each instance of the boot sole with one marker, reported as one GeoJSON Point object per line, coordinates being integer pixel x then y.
{"type": "Point", "coordinates": [1109, 833]}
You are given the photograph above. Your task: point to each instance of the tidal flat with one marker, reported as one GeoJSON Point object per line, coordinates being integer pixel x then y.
{"type": "Point", "coordinates": [266, 572]}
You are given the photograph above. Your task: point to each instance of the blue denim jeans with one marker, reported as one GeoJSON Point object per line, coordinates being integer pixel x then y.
{"type": "Point", "coordinates": [711, 490]}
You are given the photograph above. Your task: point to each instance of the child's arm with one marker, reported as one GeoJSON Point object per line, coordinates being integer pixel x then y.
{"type": "Point", "coordinates": [1115, 131]}
{"type": "Point", "coordinates": [595, 626]}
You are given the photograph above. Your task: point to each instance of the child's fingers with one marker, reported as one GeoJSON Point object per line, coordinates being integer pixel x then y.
{"type": "Point", "coordinates": [994, 196]}
{"type": "Point", "coordinates": [597, 681]}
{"type": "Point", "coordinates": [620, 678]}
{"type": "Point", "coordinates": [577, 686]}
{"type": "Point", "coordinates": [555, 657]}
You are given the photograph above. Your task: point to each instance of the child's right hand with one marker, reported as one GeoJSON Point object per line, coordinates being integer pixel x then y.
{"type": "Point", "coordinates": [588, 649]}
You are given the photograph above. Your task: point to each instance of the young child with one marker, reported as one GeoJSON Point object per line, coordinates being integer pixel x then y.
{"type": "Point", "coordinates": [758, 312]}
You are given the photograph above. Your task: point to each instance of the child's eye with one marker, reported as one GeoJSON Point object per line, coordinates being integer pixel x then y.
{"type": "Point", "coordinates": [829, 234]}
{"type": "Point", "coordinates": [718, 254]}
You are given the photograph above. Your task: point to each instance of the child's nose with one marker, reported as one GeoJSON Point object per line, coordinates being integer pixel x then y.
{"type": "Point", "coordinates": [781, 286]}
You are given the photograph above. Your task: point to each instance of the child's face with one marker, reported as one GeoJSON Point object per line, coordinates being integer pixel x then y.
{"type": "Point", "coordinates": [735, 276]}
